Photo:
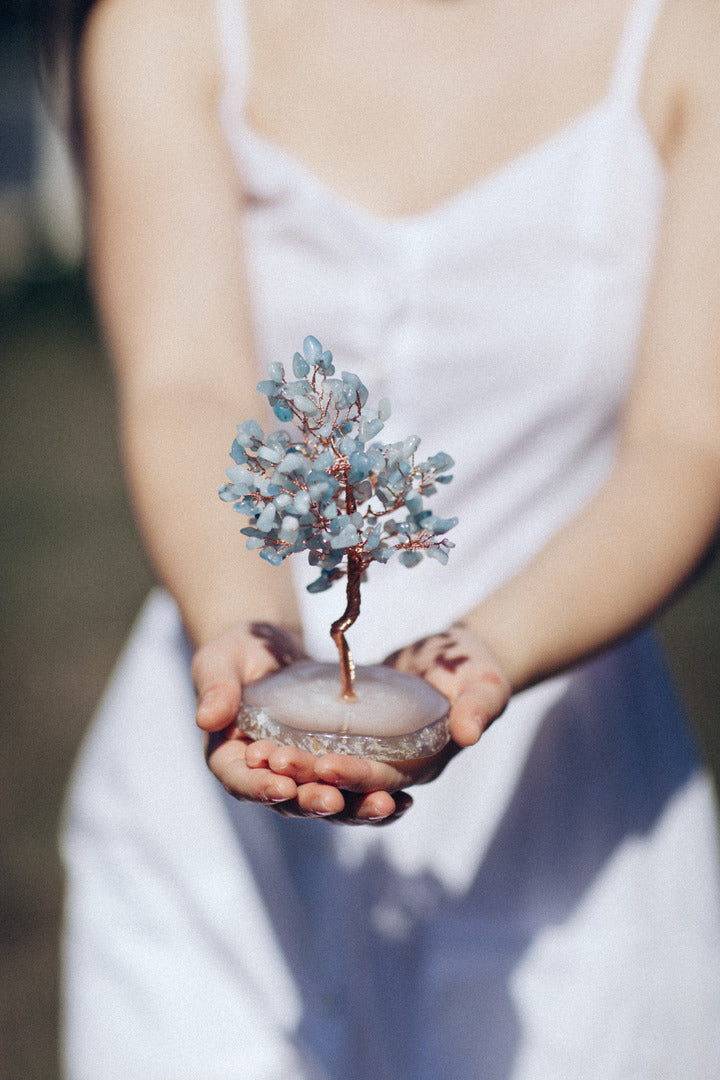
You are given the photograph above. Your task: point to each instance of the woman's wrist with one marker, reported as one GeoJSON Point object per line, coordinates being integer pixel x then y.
{"type": "Point", "coordinates": [490, 623]}
{"type": "Point", "coordinates": [209, 612]}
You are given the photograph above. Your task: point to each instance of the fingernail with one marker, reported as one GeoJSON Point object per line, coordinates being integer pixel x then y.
{"type": "Point", "coordinates": [206, 701]}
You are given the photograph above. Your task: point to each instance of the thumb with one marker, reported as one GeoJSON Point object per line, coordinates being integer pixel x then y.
{"type": "Point", "coordinates": [467, 719]}
{"type": "Point", "coordinates": [474, 709]}
{"type": "Point", "coordinates": [218, 685]}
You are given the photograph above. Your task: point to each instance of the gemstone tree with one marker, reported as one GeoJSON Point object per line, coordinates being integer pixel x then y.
{"type": "Point", "coordinates": [327, 491]}
{"type": "Point", "coordinates": [325, 485]}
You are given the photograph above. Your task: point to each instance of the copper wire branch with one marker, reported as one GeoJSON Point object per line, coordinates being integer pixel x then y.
{"type": "Point", "coordinates": [355, 570]}
{"type": "Point", "coordinates": [337, 631]}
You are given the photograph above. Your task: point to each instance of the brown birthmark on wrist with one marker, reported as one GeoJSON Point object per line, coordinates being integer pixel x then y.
{"type": "Point", "coordinates": [446, 637]}
{"type": "Point", "coordinates": [280, 643]}
{"type": "Point", "coordinates": [450, 663]}
{"type": "Point", "coordinates": [446, 642]}
{"type": "Point", "coordinates": [443, 642]}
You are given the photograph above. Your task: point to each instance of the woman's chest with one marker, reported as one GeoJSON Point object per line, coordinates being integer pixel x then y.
{"type": "Point", "coordinates": [400, 104]}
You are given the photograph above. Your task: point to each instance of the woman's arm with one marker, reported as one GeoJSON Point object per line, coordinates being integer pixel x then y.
{"type": "Point", "coordinates": [163, 222]}
{"type": "Point", "coordinates": [640, 537]}
{"type": "Point", "coordinates": [164, 212]}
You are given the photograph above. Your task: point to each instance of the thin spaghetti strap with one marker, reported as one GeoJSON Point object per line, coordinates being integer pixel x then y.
{"type": "Point", "coordinates": [230, 18]}
{"type": "Point", "coordinates": [634, 45]}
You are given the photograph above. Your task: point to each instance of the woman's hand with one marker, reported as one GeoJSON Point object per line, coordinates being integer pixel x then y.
{"type": "Point", "coordinates": [458, 664]}
{"type": "Point", "coordinates": [461, 666]}
{"type": "Point", "coordinates": [291, 785]}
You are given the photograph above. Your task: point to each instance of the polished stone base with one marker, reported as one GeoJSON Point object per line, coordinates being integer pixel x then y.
{"type": "Point", "coordinates": [395, 716]}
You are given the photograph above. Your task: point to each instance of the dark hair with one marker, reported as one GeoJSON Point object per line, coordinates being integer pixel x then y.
{"type": "Point", "coordinates": [59, 26]}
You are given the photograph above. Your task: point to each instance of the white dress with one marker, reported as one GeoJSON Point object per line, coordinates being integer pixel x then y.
{"type": "Point", "coordinates": [563, 922]}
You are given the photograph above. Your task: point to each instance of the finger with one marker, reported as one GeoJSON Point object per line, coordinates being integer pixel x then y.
{"type": "Point", "coordinates": [218, 705]}
{"type": "Point", "coordinates": [403, 802]}
{"type": "Point", "coordinates": [226, 758]}
{"type": "Point", "coordinates": [471, 714]}
{"type": "Point", "coordinates": [219, 688]}
{"type": "Point", "coordinates": [466, 719]}
{"type": "Point", "coordinates": [284, 760]}
{"type": "Point", "coordinates": [371, 808]}
{"type": "Point", "coordinates": [358, 774]}
{"type": "Point", "coordinates": [258, 753]}
{"type": "Point", "coordinates": [219, 671]}
{"type": "Point", "coordinates": [320, 800]}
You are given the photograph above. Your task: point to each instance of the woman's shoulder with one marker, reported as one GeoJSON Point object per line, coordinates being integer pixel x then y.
{"type": "Point", "coordinates": [150, 49]}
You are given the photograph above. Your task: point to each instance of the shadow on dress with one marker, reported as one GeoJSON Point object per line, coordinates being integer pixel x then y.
{"type": "Point", "coordinates": [401, 980]}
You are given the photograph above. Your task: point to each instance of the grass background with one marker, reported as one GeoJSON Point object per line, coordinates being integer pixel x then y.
{"type": "Point", "coordinates": [74, 575]}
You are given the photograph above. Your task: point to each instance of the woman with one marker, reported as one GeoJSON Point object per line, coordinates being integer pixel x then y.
{"type": "Point", "coordinates": [505, 218]}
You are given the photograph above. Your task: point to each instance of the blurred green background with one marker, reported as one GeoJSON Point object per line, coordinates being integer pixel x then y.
{"type": "Point", "coordinates": [74, 574]}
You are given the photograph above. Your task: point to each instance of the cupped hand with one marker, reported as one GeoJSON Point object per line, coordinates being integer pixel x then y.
{"type": "Point", "coordinates": [220, 669]}
{"type": "Point", "coordinates": [460, 666]}
{"type": "Point", "coordinates": [463, 668]}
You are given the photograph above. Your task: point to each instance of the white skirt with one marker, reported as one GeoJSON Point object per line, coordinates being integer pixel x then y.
{"type": "Point", "coordinates": [547, 910]}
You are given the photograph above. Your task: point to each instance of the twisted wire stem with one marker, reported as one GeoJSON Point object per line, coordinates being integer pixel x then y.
{"type": "Point", "coordinates": [355, 568]}
{"type": "Point", "coordinates": [348, 617]}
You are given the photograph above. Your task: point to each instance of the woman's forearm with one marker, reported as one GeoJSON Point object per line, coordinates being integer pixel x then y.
{"type": "Point", "coordinates": [611, 568]}
{"type": "Point", "coordinates": [176, 444]}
